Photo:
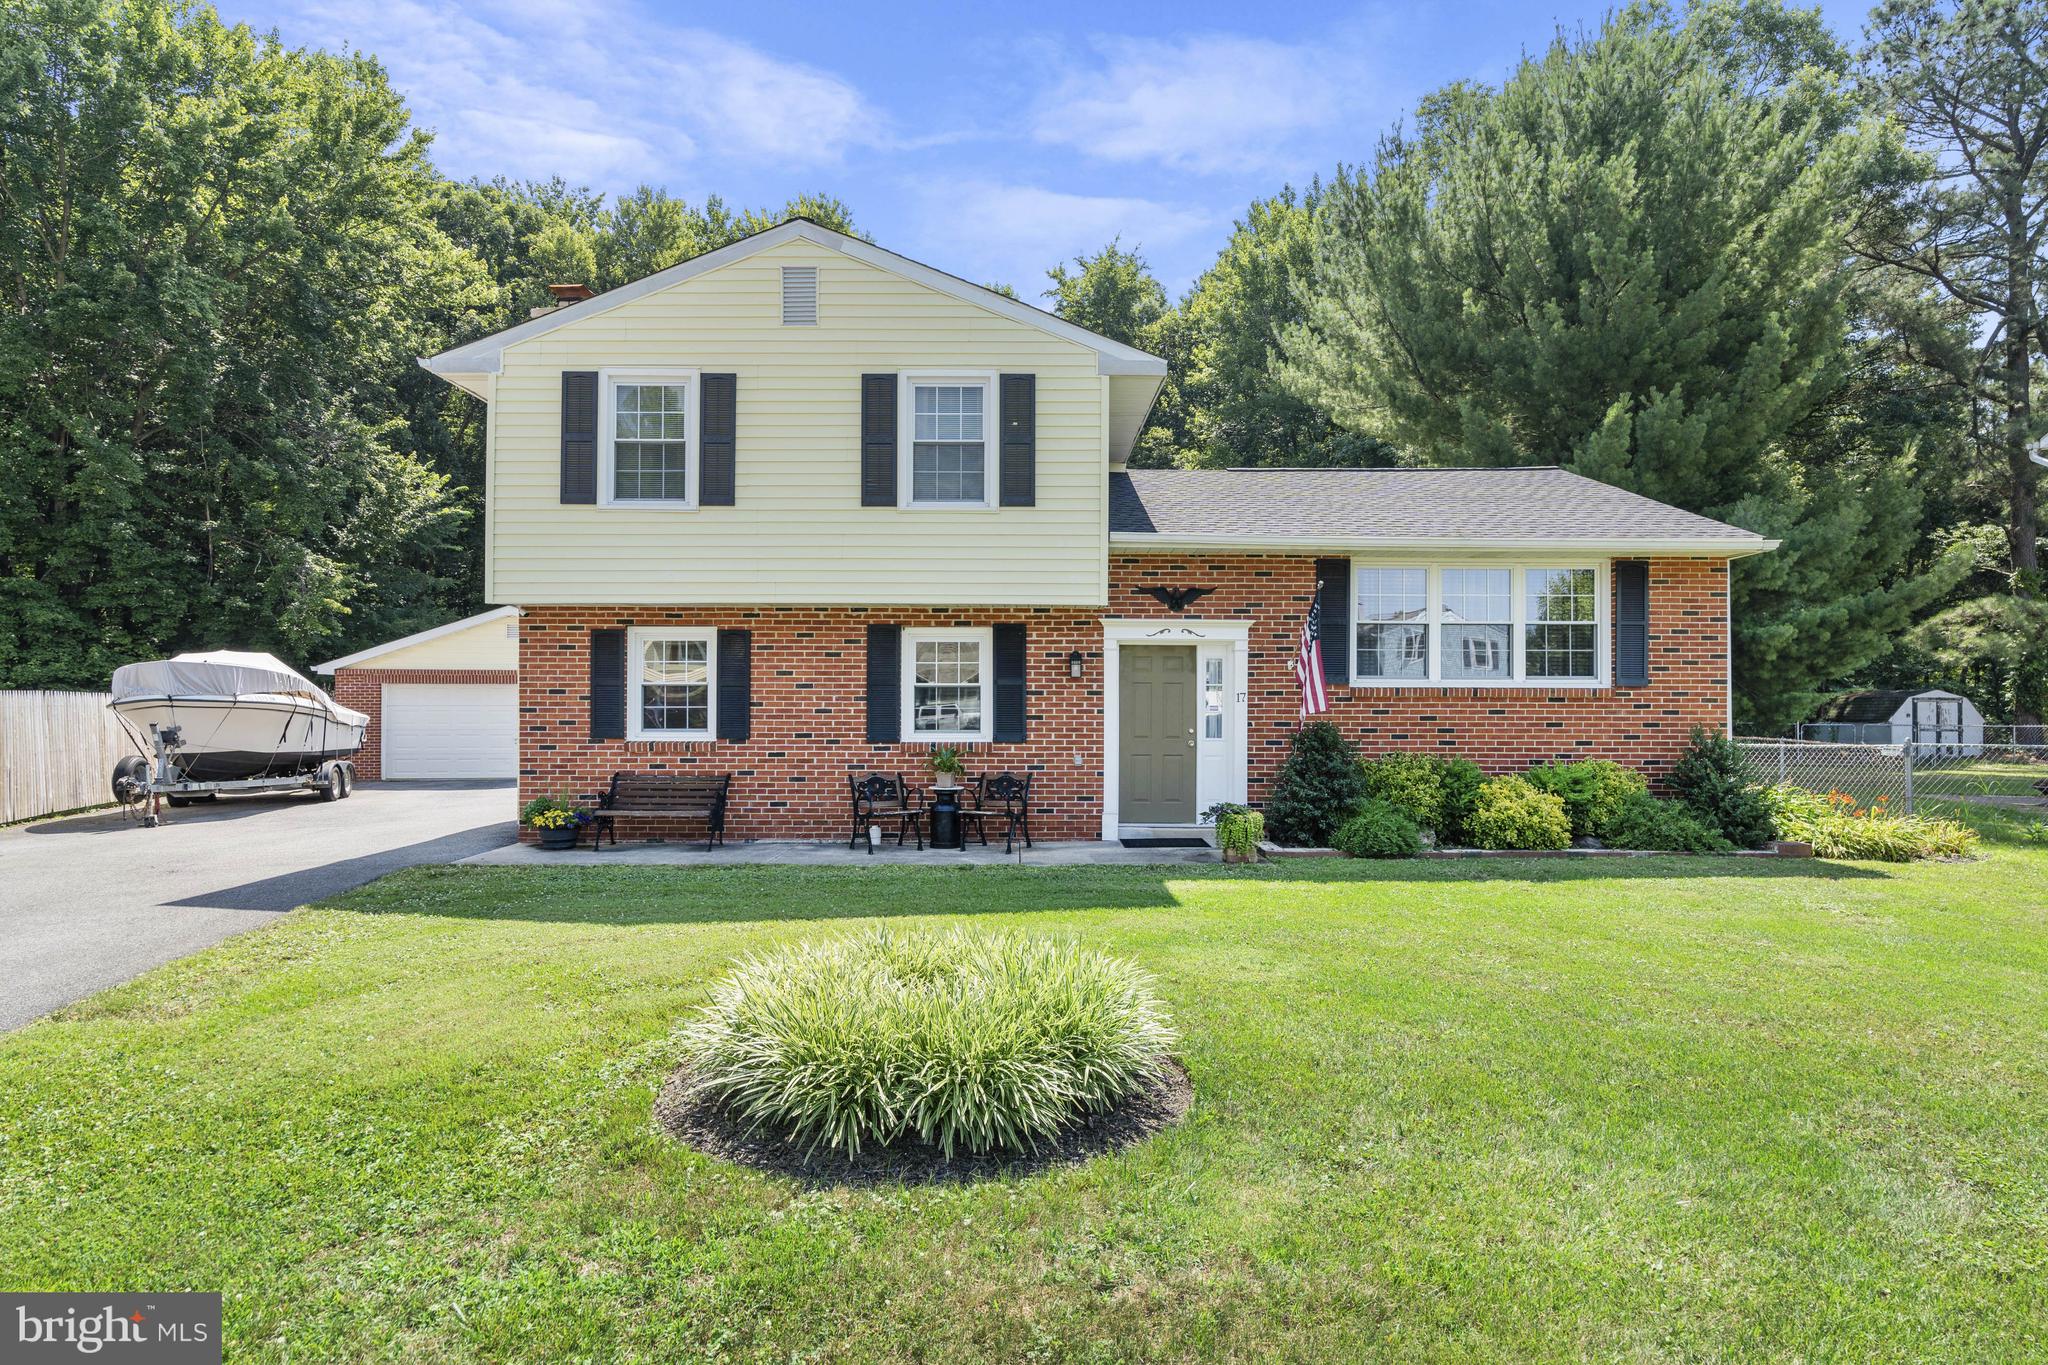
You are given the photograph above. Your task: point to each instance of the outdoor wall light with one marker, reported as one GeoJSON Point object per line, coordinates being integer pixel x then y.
{"type": "Point", "coordinates": [1075, 661]}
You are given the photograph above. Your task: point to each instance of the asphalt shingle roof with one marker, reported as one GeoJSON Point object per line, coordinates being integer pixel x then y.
{"type": "Point", "coordinates": [1868, 707]}
{"type": "Point", "coordinates": [1519, 504]}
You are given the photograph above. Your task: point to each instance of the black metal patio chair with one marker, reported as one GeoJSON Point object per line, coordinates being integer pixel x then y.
{"type": "Point", "coordinates": [879, 799]}
{"type": "Point", "coordinates": [1003, 797]}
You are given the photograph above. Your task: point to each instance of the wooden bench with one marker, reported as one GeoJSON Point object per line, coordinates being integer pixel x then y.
{"type": "Point", "coordinates": [687, 796]}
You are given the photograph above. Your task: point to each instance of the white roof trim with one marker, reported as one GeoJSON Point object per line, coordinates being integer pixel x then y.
{"type": "Point", "coordinates": [417, 638]}
{"type": "Point", "coordinates": [484, 355]}
{"type": "Point", "coordinates": [1719, 547]}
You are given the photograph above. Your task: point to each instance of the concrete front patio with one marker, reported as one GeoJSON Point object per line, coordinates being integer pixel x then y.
{"type": "Point", "coordinates": [810, 853]}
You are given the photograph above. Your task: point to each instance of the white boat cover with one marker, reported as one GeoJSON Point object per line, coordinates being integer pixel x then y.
{"type": "Point", "coordinates": [225, 673]}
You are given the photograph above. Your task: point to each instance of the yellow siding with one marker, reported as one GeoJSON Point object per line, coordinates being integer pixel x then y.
{"type": "Point", "coordinates": [798, 533]}
{"type": "Point", "coordinates": [484, 645]}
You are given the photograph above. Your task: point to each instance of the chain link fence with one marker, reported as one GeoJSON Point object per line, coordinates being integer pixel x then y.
{"type": "Point", "coordinates": [1905, 777]}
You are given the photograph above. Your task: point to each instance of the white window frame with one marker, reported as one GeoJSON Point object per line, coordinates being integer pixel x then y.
{"type": "Point", "coordinates": [637, 640]}
{"type": "Point", "coordinates": [985, 638]}
{"type": "Point", "coordinates": [906, 437]}
{"type": "Point", "coordinates": [607, 382]}
{"type": "Point", "coordinates": [1519, 570]}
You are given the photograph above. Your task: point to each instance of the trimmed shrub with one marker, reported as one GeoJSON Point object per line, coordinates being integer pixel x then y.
{"type": "Point", "coordinates": [1711, 781]}
{"type": "Point", "coordinates": [975, 1042]}
{"type": "Point", "coordinates": [1512, 814]}
{"type": "Point", "coordinates": [1641, 821]}
{"type": "Point", "coordinates": [1462, 780]}
{"type": "Point", "coordinates": [1592, 789]}
{"type": "Point", "coordinates": [1838, 828]}
{"type": "Point", "coordinates": [1379, 829]}
{"type": "Point", "coordinates": [1412, 782]}
{"type": "Point", "coordinates": [1240, 831]}
{"type": "Point", "coordinates": [1317, 787]}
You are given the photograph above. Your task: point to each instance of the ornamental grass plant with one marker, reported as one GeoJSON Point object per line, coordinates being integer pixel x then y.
{"type": "Point", "coordinates": [966, 1042]}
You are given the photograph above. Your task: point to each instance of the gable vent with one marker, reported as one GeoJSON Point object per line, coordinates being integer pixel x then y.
{"type": "Point", "coordinates": [799, 296]}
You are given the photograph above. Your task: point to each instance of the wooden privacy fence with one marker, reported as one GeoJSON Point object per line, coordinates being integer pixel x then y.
{"type": "Point", "coordinates": [57, 752]}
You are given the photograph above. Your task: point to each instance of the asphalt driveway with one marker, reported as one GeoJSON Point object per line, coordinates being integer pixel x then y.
{"type": "Point", "coordinates": [89, 902]}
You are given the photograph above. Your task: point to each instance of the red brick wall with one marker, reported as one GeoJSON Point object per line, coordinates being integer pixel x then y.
{"type": "Point", "coordinates": [809, 695]}
{"type": "Point", "coordinates": [362, 689]}
{"type": "Point", "coordinates": [1503, 729]}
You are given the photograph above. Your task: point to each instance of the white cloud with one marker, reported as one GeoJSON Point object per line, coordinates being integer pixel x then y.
{"type": "Point", "coordinates": [1217, 102]}
{"type": "Point", "coordinates": [1018, 232]}
{"type": "Point", "coordinates": [597, 92]}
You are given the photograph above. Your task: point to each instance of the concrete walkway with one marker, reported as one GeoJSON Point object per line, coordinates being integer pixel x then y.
{"type": "Point", "coordinates": [797, 853]}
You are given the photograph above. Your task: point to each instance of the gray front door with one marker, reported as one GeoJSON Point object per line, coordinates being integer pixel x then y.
{"type": "Point", "coordinates": [1156, 735]}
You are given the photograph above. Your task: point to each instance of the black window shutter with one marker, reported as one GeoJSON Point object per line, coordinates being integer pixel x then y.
{"type": "Point", "coordinates": [607, 684]}
{"type": "Point", "coordinates": [716, 428]}
{"type": "Point", "coordinates": [736, 685]}
{"type": "Point", "coordinates": [1020, 440]}
{"type": "Point", "coordinates": [1631, 623]}
{"type": "Point", "coordinates": [1333, 592]}
{"type": "Point", "coordinates": [885, 684]}
{"type": "Point", "coordinates": [579, 436]}
{"type": "Point", "coordinates": [1009, 675]}
{"type": "Point", "coordinates": [878, 440]}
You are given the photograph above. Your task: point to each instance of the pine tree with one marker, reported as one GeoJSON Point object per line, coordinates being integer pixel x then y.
{"type": "Point", "coordinates": [1629, 259]}
{"type": "Point", "coordinates": [1968, 81]}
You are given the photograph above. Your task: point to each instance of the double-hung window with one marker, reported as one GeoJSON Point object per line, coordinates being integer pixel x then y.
{"type": "Point", "coordinates": [946, 685]}
{"type": "Point", "coordinates": [1393, 623]}
{"type": "Point", "coordinates": [1561, 635]}
{"type": "Point", "coordinates": [647, 420]}
{"type": "Point", "coordinates": [671, 683]}
{"type": "Point", "coordinates": [949, 435]}
{"type": "Point", "coordinates": [1472, 625]}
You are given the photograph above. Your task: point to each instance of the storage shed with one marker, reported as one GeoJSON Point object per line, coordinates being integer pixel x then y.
{"type": "Point", "coordinates": [1927, 716]}
{"type": "Point", "coordinates": [442, 703]}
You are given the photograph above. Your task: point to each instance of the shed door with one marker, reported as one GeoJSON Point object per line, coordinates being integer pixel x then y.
{"type": "Point", "coordinates": [451, 730]}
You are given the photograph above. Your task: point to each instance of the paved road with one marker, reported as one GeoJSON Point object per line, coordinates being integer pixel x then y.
{"type": "Point", "coordinates": [92, 901]}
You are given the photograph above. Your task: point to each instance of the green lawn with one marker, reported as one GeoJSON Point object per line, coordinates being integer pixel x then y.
{"type": "Point", "coordinates": [1668, 1109]}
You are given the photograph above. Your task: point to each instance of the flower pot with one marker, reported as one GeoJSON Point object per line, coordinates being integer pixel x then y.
{"type": "Point", "coordinates": [558, 839]}
{"type": "Point", "coordinates": [1240, 855]}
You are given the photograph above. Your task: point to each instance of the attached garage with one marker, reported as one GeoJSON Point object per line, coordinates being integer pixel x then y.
{"type": "Point", "coordinates": [443, 703]}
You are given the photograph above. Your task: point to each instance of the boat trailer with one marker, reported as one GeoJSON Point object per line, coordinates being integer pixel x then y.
{"type": "Point", "coordinates": [152, 786]}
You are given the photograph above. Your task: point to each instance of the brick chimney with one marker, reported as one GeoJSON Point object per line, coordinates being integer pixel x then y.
{"type": "Point", "coordinates": [565, 294]}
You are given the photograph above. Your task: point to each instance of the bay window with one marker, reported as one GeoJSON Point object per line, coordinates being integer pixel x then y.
{"type": "Point", "coordinates": [1471, 625]}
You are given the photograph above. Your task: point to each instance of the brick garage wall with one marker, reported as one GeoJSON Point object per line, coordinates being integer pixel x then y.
{"type": "Point", "coordinates": [810, 705]}
{"type": "Point", "coordinates": [362, 689]}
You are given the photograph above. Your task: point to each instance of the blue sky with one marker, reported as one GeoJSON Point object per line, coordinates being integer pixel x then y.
{"type": "Point", "coordinates": [988, 141]}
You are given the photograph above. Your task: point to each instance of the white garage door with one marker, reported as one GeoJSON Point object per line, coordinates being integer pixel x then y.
{"type": "Point", "coordinates": [451, 730]}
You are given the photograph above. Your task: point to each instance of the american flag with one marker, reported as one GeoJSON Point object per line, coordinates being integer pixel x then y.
{"type": "Point", "coordinates": [1308, 664]}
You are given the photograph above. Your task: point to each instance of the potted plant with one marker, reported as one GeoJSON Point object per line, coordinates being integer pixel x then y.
{"type": "Point", "coordinates": [1239, 831]}
{"type": "Point", "coordinates": [946, 763]}
{"type": "Point", "coordinates": [557, 819]}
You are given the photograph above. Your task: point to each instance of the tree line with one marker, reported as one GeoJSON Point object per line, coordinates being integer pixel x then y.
{"type": "Point", "coordinates": [1714, 256]}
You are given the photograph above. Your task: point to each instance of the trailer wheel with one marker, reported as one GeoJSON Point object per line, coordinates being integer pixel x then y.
{"type": "Point", "coordinates": [348, 779]}
{"type": "Point", "coordinates": [131, 776]}
{"type": "Point", "coordinates": [331, 783]}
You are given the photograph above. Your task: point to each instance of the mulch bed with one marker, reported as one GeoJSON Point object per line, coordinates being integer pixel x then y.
{"type": "Point", "coordinates": [701, 1123]}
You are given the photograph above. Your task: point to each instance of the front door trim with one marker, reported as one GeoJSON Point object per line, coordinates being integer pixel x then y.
{"type": "Point", "coordinates": [1212, 786]}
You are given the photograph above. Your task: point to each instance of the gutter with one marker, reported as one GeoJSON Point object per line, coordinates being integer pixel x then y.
{"type": "Point", "coordinates": [1148, 541]}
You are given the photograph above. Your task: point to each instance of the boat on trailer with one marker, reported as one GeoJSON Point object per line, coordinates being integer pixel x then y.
{"type": "Point", "coordinates": [230, 721]}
